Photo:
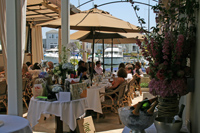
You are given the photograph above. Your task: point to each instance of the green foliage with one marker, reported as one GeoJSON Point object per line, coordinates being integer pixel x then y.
{"type": "Point", "coordinates": [144, 85]}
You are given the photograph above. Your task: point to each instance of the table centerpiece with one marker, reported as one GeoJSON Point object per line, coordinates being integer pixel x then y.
{"type": "Point", "coordinates": [64, 67]}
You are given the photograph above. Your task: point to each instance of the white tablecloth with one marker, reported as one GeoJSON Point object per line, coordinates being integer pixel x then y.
{"type": "Point", "coordinates": [67, 111]}
{"type": "Point", "coordinates": [93, 97]}
{"type": "Point", "coordinates": [14, 124]}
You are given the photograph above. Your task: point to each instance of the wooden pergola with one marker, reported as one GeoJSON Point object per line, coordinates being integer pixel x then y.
{"type": "Point", "coordinates": [45, 10]}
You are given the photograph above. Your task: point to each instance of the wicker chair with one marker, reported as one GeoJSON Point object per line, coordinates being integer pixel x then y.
{"type": "Point", "coordinates": [112, 103]}
{"type": "Point", "coordinates": [138, 88]}
{"type": "Point", "coordinates": [3, 93]}
{"type": "Point", "coordinates": [128, 96]}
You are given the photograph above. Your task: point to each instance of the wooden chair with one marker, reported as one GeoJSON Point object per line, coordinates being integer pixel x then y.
{"type": "Point", "coordinates": [3, 93]}
{"type": "Point", "coordinates": [24, 90]}
{"type": "Point", "coordinates": [114, 103]}
{"type": "Point", "coordinates": [29, 86]}
{"type": "Point", "coordinates": [128, 96]}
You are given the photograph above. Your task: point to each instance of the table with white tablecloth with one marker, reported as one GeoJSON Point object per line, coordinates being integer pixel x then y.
{"type": "Point", "coordinates": [14, 124]}
{"type": "Point", "coordinates": [67, 111]}
{"type": "Point", "coordinates": [93, 96]}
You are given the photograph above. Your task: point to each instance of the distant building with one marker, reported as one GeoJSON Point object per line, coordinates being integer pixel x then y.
{"type": "Point", "coordinates": [133, 48]}
{"type": "Point", "coordinates": [44, 44]}
{"type": "Point", "coordinates": [51, 39]}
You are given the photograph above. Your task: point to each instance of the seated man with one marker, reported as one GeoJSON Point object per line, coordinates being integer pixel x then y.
{"type": "Point", "coordinates": [129, 70]}
{"type": "Point", "coordinates": [98, 68]}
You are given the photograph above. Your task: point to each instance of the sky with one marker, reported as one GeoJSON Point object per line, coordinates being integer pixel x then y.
{"type": "Point", "coordinates": [123, 11]}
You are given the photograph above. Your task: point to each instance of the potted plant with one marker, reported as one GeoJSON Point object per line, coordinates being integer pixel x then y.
{"type": "Point", "coordinates": [168, 49]}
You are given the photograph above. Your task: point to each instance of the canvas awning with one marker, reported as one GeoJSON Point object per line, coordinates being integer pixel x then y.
{"type": "Point", "coordinates": [118, 38]}
{"type": "Point", "coordinates": [94, 19]}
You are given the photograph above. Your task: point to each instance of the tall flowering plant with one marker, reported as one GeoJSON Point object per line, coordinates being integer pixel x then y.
{"type": "Point", "coordinates": [168, 46]}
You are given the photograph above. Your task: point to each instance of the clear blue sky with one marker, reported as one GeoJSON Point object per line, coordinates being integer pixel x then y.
{"type": "Point", "coordinates": [123, 11]}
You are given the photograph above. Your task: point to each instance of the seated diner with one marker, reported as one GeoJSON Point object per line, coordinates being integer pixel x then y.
{"type": "Point", "coordinates": [122, 74]}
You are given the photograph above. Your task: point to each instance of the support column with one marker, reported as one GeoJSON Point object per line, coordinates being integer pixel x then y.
{"type": "Point", "coordinates": [84, 53]}
{"type": "Point", "coordinates": [65, 23]}
{"type": "Point", "coordinates": [59, 43]}
{"type": "Point", "coordinates": [112, 57]}
{"type": "Point", "coordinates": [14, 78]}
{"type": "Point", "coordinates": [103, 56]}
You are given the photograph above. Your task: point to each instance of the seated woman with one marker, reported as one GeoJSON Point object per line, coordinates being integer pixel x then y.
{"type": "Point", "coordinates": [35, 71]}
{"type": "Point", "coordinates": [129, 70]}
{"type": "Point", "coordinates": [29, 65]}
{"type": "Point", "coordinates": [50, 67]}
{"type": "Point", "coordinates": [121, 65]}
{"type": "Point", "coordinates": [90, 68]}
{"type": "Point", "coordinates": [122, 74]}
{"type": "Point", "coordinates": [83, 72]}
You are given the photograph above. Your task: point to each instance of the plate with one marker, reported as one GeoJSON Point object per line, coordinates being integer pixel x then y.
{"type": "Point", "coordinates": [1, 123]}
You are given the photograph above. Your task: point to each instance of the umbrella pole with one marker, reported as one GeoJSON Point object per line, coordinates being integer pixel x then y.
{"type": "Point", "coordinates": [92, 55]}
{"type": "Point", "coordinates": [103, 55]}
{"type": "Point", "coordinates": [112, 57]}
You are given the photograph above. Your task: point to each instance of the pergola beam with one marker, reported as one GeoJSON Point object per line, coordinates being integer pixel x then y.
{"type": "Point", "coordinates": [41, 13]}
{"type": "Point", "coordinates": [50, 7]}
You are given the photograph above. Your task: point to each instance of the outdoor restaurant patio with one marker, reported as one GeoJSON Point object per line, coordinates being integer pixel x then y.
{"type": "Point", "coordinates": [57, 98]}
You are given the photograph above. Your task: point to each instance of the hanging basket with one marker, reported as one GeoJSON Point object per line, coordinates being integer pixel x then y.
{"type": "Point", "coordinates": [168, 106]}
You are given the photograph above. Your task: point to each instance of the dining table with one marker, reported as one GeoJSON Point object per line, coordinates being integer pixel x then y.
{"type": "Point", "coordinates": [67, 112]}
{"type": "Point", "coordinates": [93, 96]}
{"type": "Point", "coordinates": [14, 124]}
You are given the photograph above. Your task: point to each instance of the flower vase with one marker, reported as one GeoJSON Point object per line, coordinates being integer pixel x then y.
{"type": "Point", "coordinates": [63, 79]}
{"type": "Point", "coordinates": [168, 106]}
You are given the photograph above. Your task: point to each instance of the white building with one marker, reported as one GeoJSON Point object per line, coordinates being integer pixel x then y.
{"type": "Point", "coordinates": [51, 39]}
{"type": "Point", "coordinates": [131, 48]}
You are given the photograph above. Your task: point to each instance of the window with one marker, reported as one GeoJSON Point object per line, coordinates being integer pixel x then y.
{"type": "Point", "coordinates": [55, 43]}
{"type": "Point", "coordinates": [52, 46]}
{"type": "Point", "coordinates": [57, 36]}
{"type": "Point", "coordinates": [134, 48]}
{"type": "Point", "coordinates": [52, 35]}
{"type": "Point", "coordinates": [49, 35]}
